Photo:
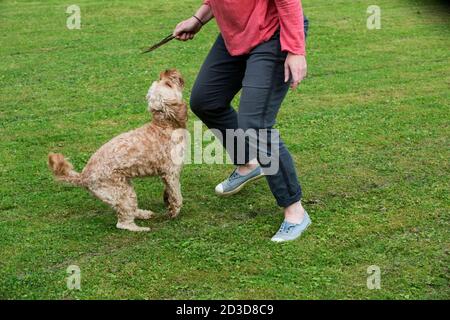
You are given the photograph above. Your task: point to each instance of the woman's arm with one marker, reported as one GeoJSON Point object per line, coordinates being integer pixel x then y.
{"type": "Point", "coordinates": [291, 26]}
{"type": "Point", "coordinates": [186, 29]}
{"type": "Point", "coordinates": [292, 37]}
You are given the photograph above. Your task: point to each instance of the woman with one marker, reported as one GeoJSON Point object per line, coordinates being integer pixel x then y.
{"type": "Point", "coordinates": [261, 50]}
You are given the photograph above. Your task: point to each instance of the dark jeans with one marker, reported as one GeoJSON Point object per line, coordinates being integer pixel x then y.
{"type": "Point", "coordinates": [260, 75]}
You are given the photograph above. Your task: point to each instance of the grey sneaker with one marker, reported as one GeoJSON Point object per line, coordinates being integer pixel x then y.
{"type": "Point", "coordinates": [235, 182]}
{"type": "Point", "coordinates": [291, 231]}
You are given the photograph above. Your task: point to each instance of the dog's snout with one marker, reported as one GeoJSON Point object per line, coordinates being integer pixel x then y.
{"type": "Point", "coordinates": [168, 73]}
{"type": "Point", "coordinates": [172, 75]}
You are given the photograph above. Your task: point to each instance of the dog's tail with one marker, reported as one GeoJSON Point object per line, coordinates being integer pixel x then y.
{"type": "Point", "coordinates": [63, 169]}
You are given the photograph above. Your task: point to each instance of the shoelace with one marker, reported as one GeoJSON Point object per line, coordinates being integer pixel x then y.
{"type": "Point", "coordinates": [285, 228]}
{"type": "Point", "coordinates": [234, 176]}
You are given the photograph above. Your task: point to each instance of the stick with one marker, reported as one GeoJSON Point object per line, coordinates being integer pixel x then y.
{"type": "Point", "coordinates": [159, 44]}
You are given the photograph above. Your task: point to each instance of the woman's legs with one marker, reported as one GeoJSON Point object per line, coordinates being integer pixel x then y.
{"type": "Point", "coordinates": [263, 92]}
{"type": "Point", "coordinates": [261, 74]}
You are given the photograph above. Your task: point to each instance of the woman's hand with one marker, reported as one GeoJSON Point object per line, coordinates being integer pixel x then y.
{"type": "Point", "coordinates": [186, 29]}
{"type": "Point", "coordinates": [295, 69]}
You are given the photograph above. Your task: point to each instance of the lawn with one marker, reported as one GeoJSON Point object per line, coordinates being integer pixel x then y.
{"type": "Point", "coordinates": [369, 131]}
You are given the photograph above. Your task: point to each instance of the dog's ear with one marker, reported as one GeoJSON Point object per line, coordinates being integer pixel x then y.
{"type": "Point", "coordinates": [176, 76]}
{"type": "Point", "coordinates": [181, 114]}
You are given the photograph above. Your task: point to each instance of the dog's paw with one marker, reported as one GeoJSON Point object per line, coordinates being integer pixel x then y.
{"type": "Point", "coordinates": [173, 215]}
{"type": "Point", "coordinates": [143, 214]}
{"type": "Point", "coordinates": [131, 227]}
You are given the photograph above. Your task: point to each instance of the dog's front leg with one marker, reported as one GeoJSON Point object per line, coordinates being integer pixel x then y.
{"type": "Point", "coordinates": [173, 193]}
{"type": "Point", "coordinates": [166, 197]}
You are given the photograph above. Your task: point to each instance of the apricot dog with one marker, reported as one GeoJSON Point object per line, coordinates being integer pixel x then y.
{"type": "Point", "coordinates": [157, 148]}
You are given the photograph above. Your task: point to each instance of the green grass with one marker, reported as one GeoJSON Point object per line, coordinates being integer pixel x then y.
{"type": "Point", "coordinates": [368, 131]}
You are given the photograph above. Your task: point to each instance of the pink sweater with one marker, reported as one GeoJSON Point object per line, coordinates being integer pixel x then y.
{"type": "Point", "coordinates": [244, 24]}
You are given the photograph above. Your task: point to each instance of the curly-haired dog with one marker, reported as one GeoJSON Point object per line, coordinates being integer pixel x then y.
{"type": "Point", "coordinates": [157, 148]}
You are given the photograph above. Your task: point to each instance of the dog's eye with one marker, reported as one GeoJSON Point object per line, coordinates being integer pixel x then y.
{"type": "Point", "coordinates": [168, 84]}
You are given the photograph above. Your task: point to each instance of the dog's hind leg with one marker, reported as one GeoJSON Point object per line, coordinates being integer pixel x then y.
{"type": "Point", "coordinates": [120, 195]}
